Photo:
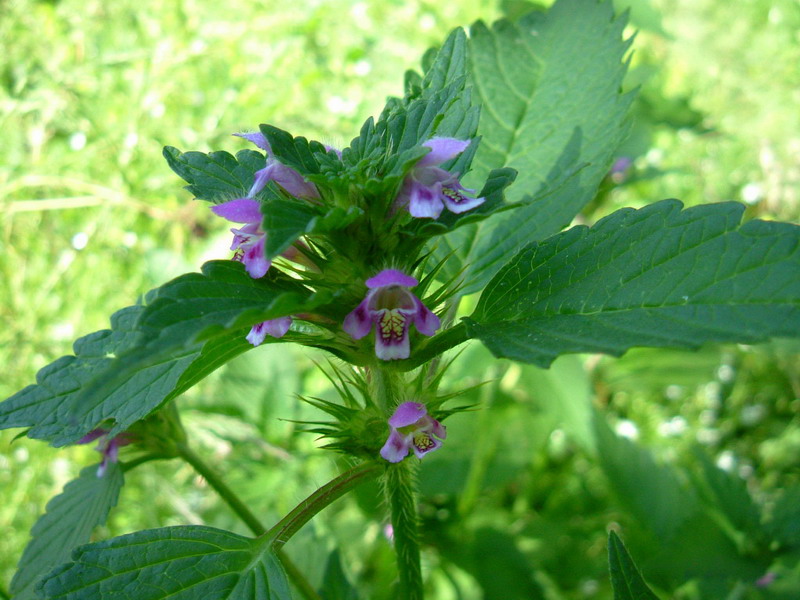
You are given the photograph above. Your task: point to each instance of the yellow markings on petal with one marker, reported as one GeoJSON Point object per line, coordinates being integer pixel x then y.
{"type": "Point", "coordinates": [423, 441]}
{"type": "Point", "coordinates": [392, 324]}
{"type": "Point", "coordinates": [454, 195]}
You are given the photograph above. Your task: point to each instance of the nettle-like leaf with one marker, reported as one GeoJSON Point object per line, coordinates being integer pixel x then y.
{"type": "Point", "coordinates": [296, 152]}
{"type": "Point", "coordinates": [69, 521]}
{"type": "Point", "coordinates": [190, 327]}
{"type": "Point", "coordinates": [217, 176]}
{"type": "Point", "coordinates": [221, 302]}
{"type": "Point", "coordinates": [179, 563]}
{"type": "Point", "coordinates": [625, 578]}
{"type": "Point", "coordinates": [659, 276]}
{"type": "Point", "coordinates": [45, 406]}
{"type": "Point", "coordinates": [553, 110]}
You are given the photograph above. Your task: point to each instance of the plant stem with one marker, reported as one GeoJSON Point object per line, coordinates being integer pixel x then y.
{"type": "Point", "coordinates": [132, 464]}
{"type": "Point", "coordinates": [386, 388]}
{"type": "Point", "coordinates": [321, 498]}
{"type": "Point", "coordinates": [252, 522]}
{"type": "Point", "coordinates": [447, 339]}
{"type": "Point", "coordinates": [399, 485]}
{"type": "Point", "coordinates": [216, 482]}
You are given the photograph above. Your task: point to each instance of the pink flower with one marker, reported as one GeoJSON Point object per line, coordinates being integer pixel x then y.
{"type": "Point", "coordinates": [391, 308]}
{"type": "Point", "coordinates": [276, 328]}
{"type": "Point", "coordinates": [248, 241]}
{"type": "Point", "coordinates": [109, 448]}
{"type": "Point", "coordinates": [412, 429]}
{"type": "Point", "coordinates": [284, 176]}
{"type": "Point", "coordinates": [427, 189]}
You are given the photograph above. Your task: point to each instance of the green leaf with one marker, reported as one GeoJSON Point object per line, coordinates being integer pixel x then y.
{"type": "Point", "coordinates": [727, 493]}
{"type": "Point", "coordinates": [447, 65]}
{"type": "Point", "coordinates": [678, 537]}
{"type": "Point", "coordinates": [654, 493]}
{"type": "Point", "coordinates": [335, 585]}
{"type": "Point", "coordinates": [286, 220]}
{"type": "Point", "coordinates": [658, 276]}
{"type": "Point", "coordinates": [45, 407]}
{"type": "Point", "coordinates": [295, 152]}
{"type": "Point", "coordinates": [179, 563]}
{"type": "Point", "coordinates": [384, 151]}
{"type": "Point", "coordinates": [553, 110]}
{"type": "Point", "coordinates": [625, 578]}
{"type": "Point", "coordinates": [218, 305]}
{"type": "Point", "coordinates": [784, 524]}
{"type": "Point", "coordinates": [217, 176]}
{"type": "Point", "coordinates": [69, 521]}
{"type": "Point", "coordinates": [190, 327]}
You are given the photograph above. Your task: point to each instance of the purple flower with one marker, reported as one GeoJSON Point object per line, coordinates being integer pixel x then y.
{"type": "Point", "coordinates": [391, 307]}
{"type": "Point", "coordinates": [427, 189]}
{"type": "Point", "coordinates": [412, 429]}
{"type": "Point", "coordinates": [276, 328]}
{"type": "Point", "coordinates": [767, 579]}
{"type": "Point", "coordinates": [109, 448]}
{"type": "Point", "coordinates": [284, 176]}
{"type": "Point", "coordinates": [248, 241]}
{"type": "Point", "coordinates": [620, 169]}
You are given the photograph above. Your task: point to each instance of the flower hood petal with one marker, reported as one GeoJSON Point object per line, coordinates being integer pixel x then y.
{"type": "Point", "coordinates": [391, 277]}
{"type": "Point", "coordinates": [241, 210]}
{"type": "Point", "coordinates": [442, 149]}
{"type": "Point", "coordinates": [258, 139]}
{"type": "Point", "coordinates": [407, 413]}
{"type": "Point", "coordinates": [290, 180]}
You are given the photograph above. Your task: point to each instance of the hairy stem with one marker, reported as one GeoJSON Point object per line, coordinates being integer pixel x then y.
{"type": "Point", "coordinates": [399, 485]}
{"type": "Point", "coordinates": [252, 522]}
{"type": "Point", "coordinates": [386, 388]}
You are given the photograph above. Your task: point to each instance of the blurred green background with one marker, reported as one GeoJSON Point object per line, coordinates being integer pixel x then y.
{"type": "Point", "coordinates": [92, 217]}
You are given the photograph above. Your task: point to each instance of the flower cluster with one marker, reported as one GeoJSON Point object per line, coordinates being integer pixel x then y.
{"type": "Point", "coordinates": [389, 306]}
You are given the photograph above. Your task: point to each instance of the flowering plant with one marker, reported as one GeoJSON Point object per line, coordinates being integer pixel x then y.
{"type": "Point", "coordinates": [331, 247]}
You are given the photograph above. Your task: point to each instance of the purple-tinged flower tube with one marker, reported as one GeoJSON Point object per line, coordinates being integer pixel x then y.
{"type": "Point", "coordinates": [428, 189]}
{"type": "Point", "coordinates": [276, 328]}
{"type": "Point", "coordinates": [412, 429]}
{"type": "Point", "coordinates": [390, 307]}
{"type": "Point", "coordinates": [109, 448]}
{"type": "Point", "coordinates": [248, 241]}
